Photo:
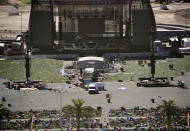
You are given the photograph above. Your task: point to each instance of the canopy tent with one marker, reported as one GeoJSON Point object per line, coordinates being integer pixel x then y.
{"type": "Point", "coordinates": [90, 62]}
{"type": "Point", "coordinates": [2, 44]}
{"type": "Point", "coordinates": [91, 58]}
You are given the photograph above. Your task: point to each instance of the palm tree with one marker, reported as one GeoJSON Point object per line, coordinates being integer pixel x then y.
{"type": "Point", "coordinates": [4, 113]}
{"type": "Point", "coordinates": [78, 110]}
{"type": "Point", "coordinates": [168, 110]}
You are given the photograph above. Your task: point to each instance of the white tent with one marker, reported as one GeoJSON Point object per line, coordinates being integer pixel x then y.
{"type": "Point", "coordinates": [186, 42]}
{"type": "Point", "coordinates": [91, 58]}
{"type": "Point", "coordinates": [90, 62]}
{"type": "Point", "coordinates": [89, 70]}
{"type": "Point", "coordinates": [2, 44]}
{"type": "Point", "coordinates": [185, 50]}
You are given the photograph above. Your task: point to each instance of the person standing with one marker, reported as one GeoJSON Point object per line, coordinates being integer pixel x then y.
{"type": "Point", "coordinates": [108, 97]}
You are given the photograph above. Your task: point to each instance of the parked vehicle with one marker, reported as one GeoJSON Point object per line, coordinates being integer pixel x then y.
{"type": "Point", "coordinates": [186, 42]}
{"type": "Point", "coordinates": [98, 85]}
{"type": "Point", "coordinates": [185, 50]}
{"type": "Point", "coordinates": [2, 48]}
{"type": "Point", "coordinates": [92, 89]}
{"type": "Point", "coordinates": [180, 84]}
{"type": "Point", "coordinates": [14, 48]}
{"type": "Point", "coordinates": [156, 82]}
{"type": "Point", "coordinates": [86, 83]}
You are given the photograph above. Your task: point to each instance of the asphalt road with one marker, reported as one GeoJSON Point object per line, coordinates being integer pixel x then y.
{"type": "Point", "coordinates": [131, 97]}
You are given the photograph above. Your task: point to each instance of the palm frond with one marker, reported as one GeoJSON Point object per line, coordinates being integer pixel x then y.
{"type": "Point", "coordinates": [88, 112]}
{"type": "Point", "coordinates": [4, 112]}
{"type": "Point", "coordinates": [69, 110]}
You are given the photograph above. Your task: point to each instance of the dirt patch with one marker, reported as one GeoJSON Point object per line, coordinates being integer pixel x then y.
{"type": "Point", "coordinates": [175, 15]}
{"type": "Point", "coordinates": [183, 16]}
{"type": "Point", "coordinates": [3, 2]}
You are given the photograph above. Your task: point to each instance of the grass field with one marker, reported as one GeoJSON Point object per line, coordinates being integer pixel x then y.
{"type": "Point", "coordinates": [24, 2]}
{"type": "Point", "coordinates": [41, 69]}
{"type": "Point", "coordinates": [48, 70]}
{"type": "Point", "coordinates": [133, 70]}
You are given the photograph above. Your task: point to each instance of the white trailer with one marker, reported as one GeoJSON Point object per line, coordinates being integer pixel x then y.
{"type": "Point", "coordinates": [186, 42]}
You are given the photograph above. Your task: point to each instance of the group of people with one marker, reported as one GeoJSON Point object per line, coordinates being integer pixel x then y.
{"type": "Point", "coordinates": [142, 117]}
{"type": "Point", "coordinates": [38, 114]}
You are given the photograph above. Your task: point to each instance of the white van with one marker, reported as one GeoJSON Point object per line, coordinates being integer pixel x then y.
{"type": "Point", "coordinates": [92, 89]}
{"type": "Point", "coordinates": [99, 85]}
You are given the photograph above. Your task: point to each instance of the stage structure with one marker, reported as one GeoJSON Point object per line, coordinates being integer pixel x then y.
{"type": "Point", "coordinates": [91, 27]}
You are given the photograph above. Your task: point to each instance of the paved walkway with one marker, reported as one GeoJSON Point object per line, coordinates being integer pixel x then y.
{"type": "Point", "coordinates": [104, 117]}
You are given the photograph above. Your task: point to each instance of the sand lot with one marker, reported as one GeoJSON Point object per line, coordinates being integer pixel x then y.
{"type": "Point", "coordinates": [176, 15]}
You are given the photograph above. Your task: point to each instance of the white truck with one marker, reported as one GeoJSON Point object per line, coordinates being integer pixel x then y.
{"type": "Point", "coordinates": [98, 85]}
{"type": "Point", "coordinates": [92, 88]}
{"type": "Point", "coordinates": [185, 46]}
{"type": "Point", "coordinates": [186, 42]}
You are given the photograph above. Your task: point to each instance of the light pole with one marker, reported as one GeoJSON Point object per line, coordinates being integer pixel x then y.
{"type": "Point", "coordinates": [60, 101]}
{"type": "Point", "coordinates": [152, 53]}
{"type": "Point", "coordinates": [27, 57]}
{"type": "Point", "coordinates": [21, 18]}
{"type": "Point", "coordinates": [186, 14]}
